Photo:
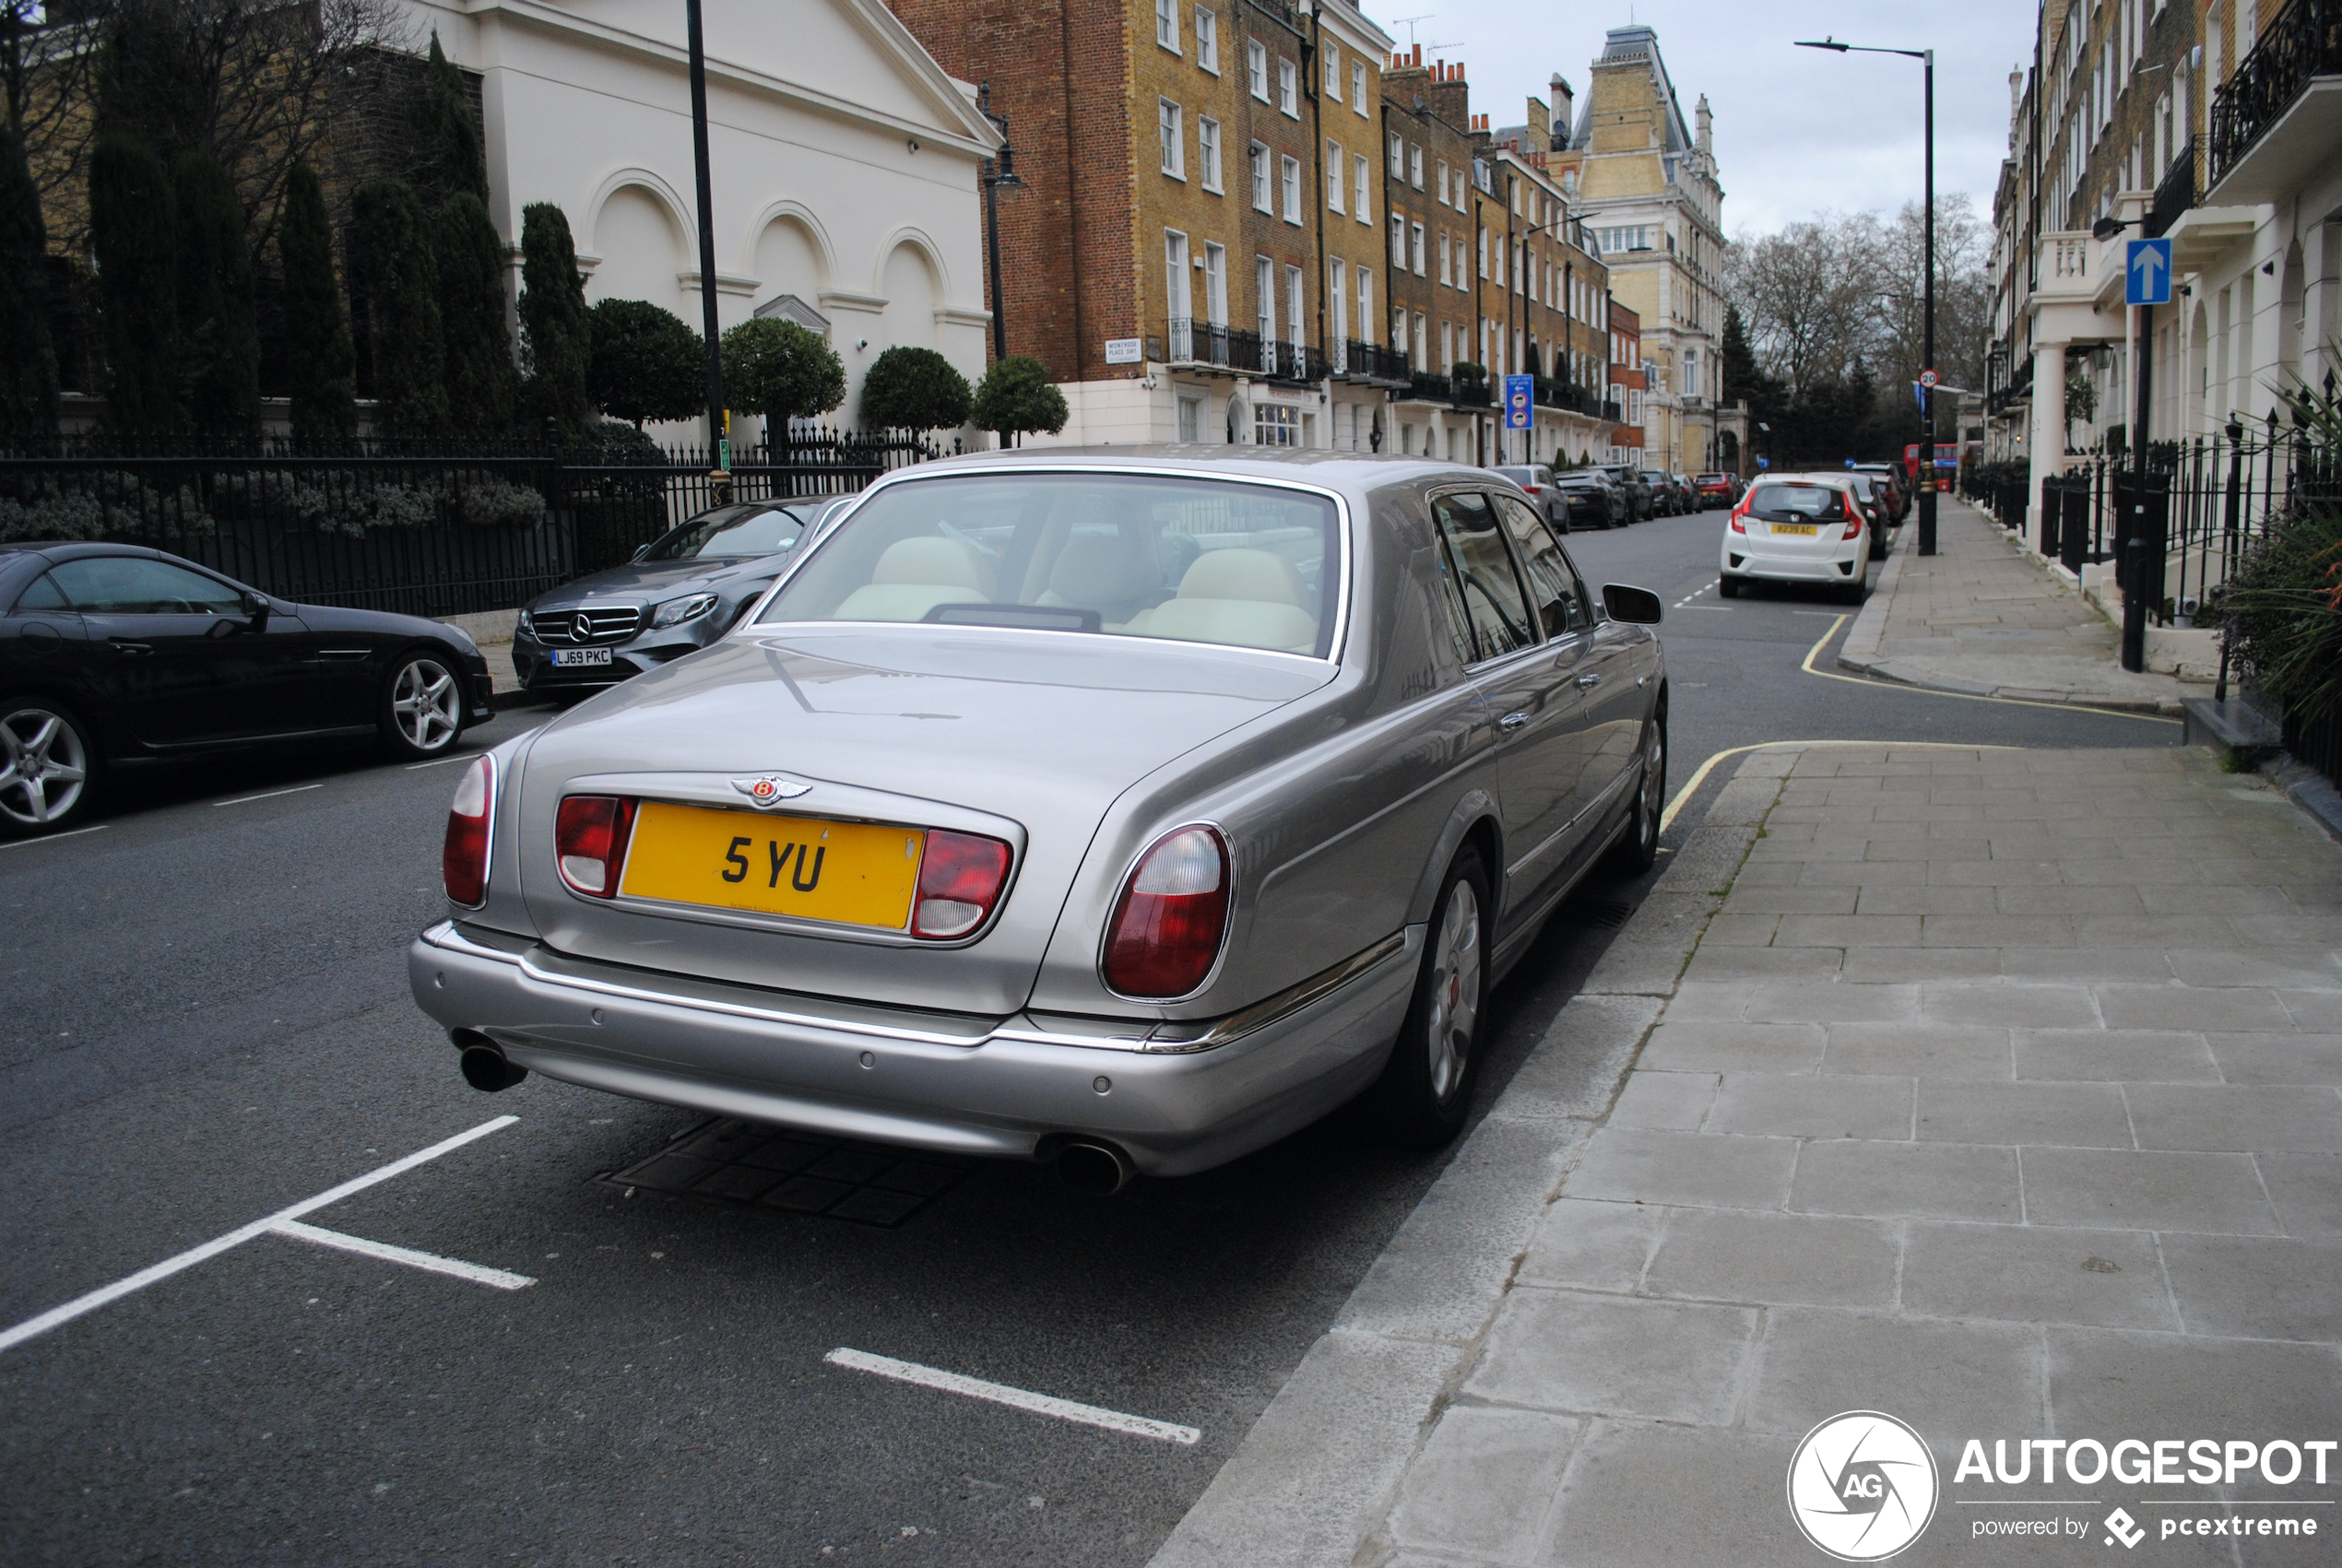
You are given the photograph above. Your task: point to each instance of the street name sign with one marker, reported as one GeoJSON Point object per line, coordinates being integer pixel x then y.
{"type": "Point", "coordinates": [1124, 351]}
{"type": "Point", "coordinates": [1521, 394]}
{"type": "Point", "coordinates": [2146, 273]}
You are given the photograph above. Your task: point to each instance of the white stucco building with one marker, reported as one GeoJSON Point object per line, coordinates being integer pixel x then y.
{"type": "Point", "coordinates": [845, 164]}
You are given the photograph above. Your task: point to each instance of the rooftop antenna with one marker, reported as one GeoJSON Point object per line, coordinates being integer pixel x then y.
{"type": "Point", "coordinates": [1411, 22]}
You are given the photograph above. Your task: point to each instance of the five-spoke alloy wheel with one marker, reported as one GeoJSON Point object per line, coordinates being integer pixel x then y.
{"type": "Point", "coordinates": [422, 707]}
{"type": "Point", "coordinates": [46, 766]}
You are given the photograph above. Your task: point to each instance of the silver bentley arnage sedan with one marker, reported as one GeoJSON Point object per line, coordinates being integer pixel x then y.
{"type": "Point", "coordinates": [1123, 809]}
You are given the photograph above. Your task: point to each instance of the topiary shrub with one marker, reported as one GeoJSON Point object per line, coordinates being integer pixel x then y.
{"type": "Point", "coordinates": [779, 370]}
{"type": "Point", "coordinates": [646, 363]}
{"type": "Point", "coordinates": [1017, 397]}
{"type": "Point", "coordinates": [913, 389]}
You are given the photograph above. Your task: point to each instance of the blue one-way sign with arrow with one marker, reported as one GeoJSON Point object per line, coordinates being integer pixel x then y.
{"type": "Point", "coordinates": [2146, 273]}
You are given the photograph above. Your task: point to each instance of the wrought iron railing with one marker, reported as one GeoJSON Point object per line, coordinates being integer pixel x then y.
{"type": "Point", "coordinates": [2302, 42]}
{"type": "Point", "coordinates": [2175, 194]}
{"type": "Point", "coordinates": [1374, 362]}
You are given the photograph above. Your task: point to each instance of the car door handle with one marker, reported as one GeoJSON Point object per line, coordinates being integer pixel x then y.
{"type": "Point", "coordinates": [1588, 682]}
{"type": "Point", "coordinates": [122, 645]}
{"type": "Point", "coordinates": [1513, 722]}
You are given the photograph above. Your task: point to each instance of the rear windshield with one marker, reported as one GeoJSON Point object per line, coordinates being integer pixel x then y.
{"type": "Point", "coordinates": [1789, 501]}
{"type": "Point", "coordinates": [1192, 561]}
{"type": "Point", "coordinates": [731, 531]}
{"type": "Point", "coordinates": [1522, 476]}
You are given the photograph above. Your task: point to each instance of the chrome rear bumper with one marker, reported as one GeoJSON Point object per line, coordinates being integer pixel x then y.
{"type": "Point", "coordinates": [1177, 1097]}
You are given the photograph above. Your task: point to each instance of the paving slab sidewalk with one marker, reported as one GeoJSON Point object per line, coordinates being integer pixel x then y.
{"type": "Point", "coordinates": [1999, 1090]}
{"type": "Point", "coordinates": [1982, 617]}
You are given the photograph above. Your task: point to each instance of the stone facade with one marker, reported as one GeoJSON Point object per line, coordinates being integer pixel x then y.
{"type": "Point", "coordinates": [1646, 184]}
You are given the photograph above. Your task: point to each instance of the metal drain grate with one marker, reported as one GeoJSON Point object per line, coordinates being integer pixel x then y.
{"type": "Point", "coordinates": [1607, 913]}
{"type": "Point", "coordinates": [748, 1166]}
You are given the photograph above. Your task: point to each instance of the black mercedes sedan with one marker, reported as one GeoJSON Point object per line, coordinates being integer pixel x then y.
{"type": "Point", "coordinates": [680, 591]}
{"type": "Point", "coordinates": [117, 655]}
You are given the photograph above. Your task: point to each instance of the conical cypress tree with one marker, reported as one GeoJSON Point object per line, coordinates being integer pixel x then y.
{"type": "Point", "coordinates": [27, 357]}
{"type": "Point", "coordinates": [318, 361]}
{"type": "Point", "coordinates": [482, 378]}
{"type": "Point", "coordinates": [552, 311]}
{"type": "Point", "coordinates": [132, 229]}
{"type": "Point", "coordinates": [450, 161]}
{"type": "Point", "coordinates": [220, 339]}
{"type": "Point", "coordinates": [402, 294]}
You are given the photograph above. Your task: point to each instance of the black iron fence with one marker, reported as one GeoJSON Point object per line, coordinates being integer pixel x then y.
{"type": "Point", "coordinates": [369, 524]}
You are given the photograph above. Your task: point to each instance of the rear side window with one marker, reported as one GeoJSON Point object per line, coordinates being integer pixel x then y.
{"type": "Point", "coordinates": [1193, 560]}
{"type": "Point", "coordinates": [1553, 587]}
{"type": "Point", "coordinates": [41, 596]}
{"type": "Point", "coordinates": [1494, 604]}
{"type": "Point", "coordinates": [120, 584]}
{"type": "Point", "coordinates": [1789, 502]}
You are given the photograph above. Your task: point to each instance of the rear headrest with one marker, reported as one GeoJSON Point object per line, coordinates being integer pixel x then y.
{"type": "Point", "coordinates": [1101, 569]}
{"type": "Point", "coordinates": [935, 561]}
{"type": "Point", "coordinates": [1244, 574]}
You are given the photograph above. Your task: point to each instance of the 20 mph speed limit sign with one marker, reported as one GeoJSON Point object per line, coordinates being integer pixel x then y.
{"type": "Point", "coordinates": [1928, 379]}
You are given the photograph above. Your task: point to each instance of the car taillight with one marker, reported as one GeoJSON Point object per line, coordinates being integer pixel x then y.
{"type": "Point", "coordinates": [1740, 518]}
{"type": "Point", "coordinates": [463, 857]}
{"type": "Point", "coordinates": [1853, 520]}
{"type": "Point", "coordinates": [1165, 933]}
{"type": "Point", "coordinates": [589, 842]}
{"type": "Point", "coordinates": [960, 880]}
{"type": "Point", "coordinates": [1534, 490]}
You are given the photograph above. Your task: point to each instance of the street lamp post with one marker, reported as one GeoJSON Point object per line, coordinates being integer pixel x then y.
{"type": "Point", "coordinates": [720, 434]}
{"type": "Point", "coordinates": [1927, 433]}
{"type": "Point", "coordinates": [999, 174]}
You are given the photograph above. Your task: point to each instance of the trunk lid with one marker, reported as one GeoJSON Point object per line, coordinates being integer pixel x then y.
{"type": "Point", "coordinates": [1025, 736]}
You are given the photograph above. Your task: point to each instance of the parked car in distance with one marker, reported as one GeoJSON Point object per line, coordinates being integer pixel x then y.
{"type": "Point", "coordinates": [1804, 528]}
{"type": "Point", "coordinates": [1630, 481]}
{"type": "Point", "coordinates": [680, 593]}
{"type": "Point", "coordinates": [1718, 489]}
{"type": "Point", "coordinates": [1898, 488]}
{"type": "Point", "coordinates": [1664, 501]}
{"type": "Point", "coordinates": [114, 656]}
{"type": "Point", "coordinates": [1126, 809]}
{"type": "Point", "coordinates": [1873, 504]}
{"type": "Point", "coordinates": [1536, 481]}
{"type": "Point", "coordinates": [1594, 501]}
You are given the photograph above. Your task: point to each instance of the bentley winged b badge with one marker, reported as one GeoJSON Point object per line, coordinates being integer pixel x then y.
{"type": "Point", "coordinates": [771, 789]}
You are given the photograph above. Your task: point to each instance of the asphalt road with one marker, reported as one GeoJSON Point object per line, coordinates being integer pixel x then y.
{"type": "Point", "coordinates": [208, 1022]}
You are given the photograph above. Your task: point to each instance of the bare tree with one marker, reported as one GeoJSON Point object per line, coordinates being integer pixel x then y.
{"type": "Point", "coordinates": [46, 57]}
{"type": "Point", "coordinates": [262, 84]}
{"type": "Point", "coordinates": [1805, 294]}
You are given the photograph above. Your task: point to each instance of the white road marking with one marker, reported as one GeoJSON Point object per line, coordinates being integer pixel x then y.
{"type": "Point", "coordinates": [32, 1328]}
{"type": "Point", "coordinates": [271, 794]}
{"type": "Point", "coordinates": [443, 761]}
{"type": "Point", "coordinates": [52, 837]}
{"type": "Point", "coordinates": [477, 1273]}
{"type": "Point", "coordinates": [1001, 1394]}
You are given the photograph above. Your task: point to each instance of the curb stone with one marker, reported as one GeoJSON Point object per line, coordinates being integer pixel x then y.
{"type": "Point", "coordinates": [1321, 1467]}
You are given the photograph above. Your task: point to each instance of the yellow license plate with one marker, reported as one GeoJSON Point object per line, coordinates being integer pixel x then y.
{"type": "Point", "coordinates": [1806, 529]}
{"type": "Point", "coordinates": [847, 873]}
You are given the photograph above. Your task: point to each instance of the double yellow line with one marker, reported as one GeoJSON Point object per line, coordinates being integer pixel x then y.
{"type": "Point", "coordinates": [1815, 652]}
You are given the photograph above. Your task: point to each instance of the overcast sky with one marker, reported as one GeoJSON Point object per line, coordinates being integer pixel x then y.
{"type": "Point", "coordinates": [1797, 130]}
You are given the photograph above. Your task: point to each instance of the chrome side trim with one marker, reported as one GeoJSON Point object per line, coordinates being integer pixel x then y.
{"type": "Point", "coordinates": [1181, 1037]}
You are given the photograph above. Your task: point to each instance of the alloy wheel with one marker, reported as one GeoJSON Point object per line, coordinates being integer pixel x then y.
{"type": "Point", "coordinates": [43, 768]}
{"type": "Point", "coordinates": [1654, 800]}
{"type": "Point", "coordinates": [1455, 991]}
{"type": "Point", "coordinates": [426, 705]}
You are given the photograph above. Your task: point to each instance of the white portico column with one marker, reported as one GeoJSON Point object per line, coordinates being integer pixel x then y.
{"type": "Point", "coordinates": [2048, 439]}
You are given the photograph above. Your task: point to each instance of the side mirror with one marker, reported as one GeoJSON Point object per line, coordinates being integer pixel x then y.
{"type": "Point", "coordinates": [1639, 605]}
{"type": "Point", "coordinates": [640, 551]}
{"type": "Point", "coordinates": [256, 607]}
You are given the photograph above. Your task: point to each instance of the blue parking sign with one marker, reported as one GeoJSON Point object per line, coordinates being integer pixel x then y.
{"type": "Point", "coordinates": [1520, 397]}
{"type": "Point", "coordinates": [2146, 273]}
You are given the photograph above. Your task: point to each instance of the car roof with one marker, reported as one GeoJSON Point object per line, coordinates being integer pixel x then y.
{"type": "Point", "coordinates": [1334, 470]}
{"type": "Point", "coordinates": [55, 550]}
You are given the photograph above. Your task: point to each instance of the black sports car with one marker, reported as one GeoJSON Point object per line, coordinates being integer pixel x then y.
{"type": "Point", "coordinates": [680, 593]}
{"type": "Point", "coordinates": [113, 656]}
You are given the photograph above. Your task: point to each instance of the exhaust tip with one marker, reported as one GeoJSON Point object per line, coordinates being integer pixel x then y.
{"type": "Point", "coordinates": [486, 1068]}
{"type": "Point", "coordinates": [1098, 1170]}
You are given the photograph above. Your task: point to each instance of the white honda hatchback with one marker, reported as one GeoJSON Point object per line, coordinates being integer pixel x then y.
{"type": "Point", "coordinates": [1806, 528]}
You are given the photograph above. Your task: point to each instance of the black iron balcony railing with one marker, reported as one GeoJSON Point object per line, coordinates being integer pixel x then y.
{"type": "Point", "coordinates": [1373, 362]}
{"type": "Point", "coordinates": [2175, 194]}
{"type": "Point", "coordinates": [1458, 392]}
{"type": "Point", "coordinates": [2302, 42]}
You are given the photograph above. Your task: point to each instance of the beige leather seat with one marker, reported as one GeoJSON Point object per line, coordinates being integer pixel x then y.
{"type": "Point", "coordinates": [913, 576]}
{"type": "Point", "coordinates": [1107, 573]}
{"type": "Point", "coordinates": [1244, 598]}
